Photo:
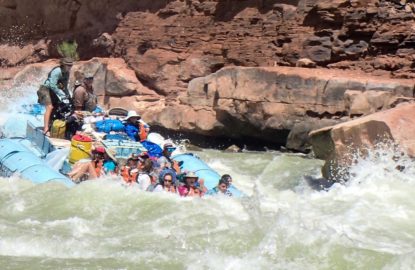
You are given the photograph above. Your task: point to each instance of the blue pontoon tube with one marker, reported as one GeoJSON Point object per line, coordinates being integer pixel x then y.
{"type": "Point", "coordinates": [190, 162]}
{"type": "Point", "coordinates": [16, 158]}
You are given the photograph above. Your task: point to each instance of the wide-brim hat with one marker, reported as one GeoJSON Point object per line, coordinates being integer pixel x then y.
{"type": "Point", "coordinates": [191, 175]}
{"type": "Point", "coordinates": [132, 114]}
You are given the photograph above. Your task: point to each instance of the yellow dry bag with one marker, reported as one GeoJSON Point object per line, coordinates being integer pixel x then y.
{"type": "Point", "coordinates": [80, 148]}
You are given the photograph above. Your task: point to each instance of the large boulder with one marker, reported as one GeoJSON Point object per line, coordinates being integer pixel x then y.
{"type": "Point", "coordinates": [112, 78]}
{"type": "Point", "coordinates": [272, 103]}
{"type": "Point", "coordinates": [114, 83]}
{"type": "Point", "coordinates": [340, 144]}
{"type": "Point", "coordinates": [360, 103]}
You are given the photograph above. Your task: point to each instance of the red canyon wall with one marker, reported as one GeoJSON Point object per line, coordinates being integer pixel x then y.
{"type": "Point", "coordinates": [169, 43]}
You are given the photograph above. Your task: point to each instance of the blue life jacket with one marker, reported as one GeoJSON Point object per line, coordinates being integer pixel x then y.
{"type": "Point", "coordinates": [132, 131]}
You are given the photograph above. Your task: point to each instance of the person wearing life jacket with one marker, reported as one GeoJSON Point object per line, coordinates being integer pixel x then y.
{"type": "Point", "coordinates": [221, 188]}
{"type": "Point", "coordinates": [191, 187]}
{"type": "Point", "coordinates": [165, 161]}
{"type": "Point", "coordinates": [145, 168]}
{"type": "Point", "coordinates": [129, 171]}
{"type": "Point", "coordinates": [167, 181]}
{"type": "Point", "coordinates": [135, 127]}
{"type": "Point", "coordinates": [54, 94]}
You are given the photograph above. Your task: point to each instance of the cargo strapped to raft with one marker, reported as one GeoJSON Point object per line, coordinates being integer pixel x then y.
{"type": "Point", "coordinates": [124, 148]}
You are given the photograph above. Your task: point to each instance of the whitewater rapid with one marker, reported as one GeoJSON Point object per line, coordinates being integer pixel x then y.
{"type": "Point", "coordinates": [282, 223]}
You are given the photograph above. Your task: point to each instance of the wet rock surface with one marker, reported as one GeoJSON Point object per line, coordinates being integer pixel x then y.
{"type": "Point", "coordinates": [341, 144]}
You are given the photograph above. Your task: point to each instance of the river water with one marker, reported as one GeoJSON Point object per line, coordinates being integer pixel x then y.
{"type": "Point", "coordinates": [369, 223]}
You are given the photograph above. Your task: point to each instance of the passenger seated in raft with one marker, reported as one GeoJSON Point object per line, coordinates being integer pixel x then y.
{"type": "Point", "coordinates": [136, 128]}
{"type": "Point", "coordinates": [110, 165]}
{"type": "Point", "coordinates": [191, 186]}
{"type": "Point", "coordinates": [129, 171]}
{"type": "Point", "coordinates": [101, 164]}
{"type": "Point", "coordinates": [145, 168]}
{"type": "Point", "coordinates": [221, 188]}
{"type": "Point", "coordinates": [154, 180]}
{"type": "Point", "coordinates": [166, 183]}
{"type": "Point", "coordinates": [165, 161]}
{"type": "Point", "coordinates": [227, 178]}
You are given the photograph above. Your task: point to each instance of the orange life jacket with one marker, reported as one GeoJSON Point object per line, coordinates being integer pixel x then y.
{"type": "Point", "coordinates": [143, 132]}
{"type": "Point", "coordinates": [128, 176]}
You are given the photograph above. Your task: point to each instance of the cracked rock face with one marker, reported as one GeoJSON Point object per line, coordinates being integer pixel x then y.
{"type": "Point", "coordinates": [262, 102]}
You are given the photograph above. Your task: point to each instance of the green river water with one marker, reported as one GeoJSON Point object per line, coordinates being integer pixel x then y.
{"type": "Point", "coordinates": [282, 224]}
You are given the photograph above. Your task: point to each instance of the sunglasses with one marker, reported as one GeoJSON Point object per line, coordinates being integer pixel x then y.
{"type": "Point", "coordinates": [171, 149]}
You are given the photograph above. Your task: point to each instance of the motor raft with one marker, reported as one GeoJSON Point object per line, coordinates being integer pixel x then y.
{"type": "Point", "coordinates": [27, 156]}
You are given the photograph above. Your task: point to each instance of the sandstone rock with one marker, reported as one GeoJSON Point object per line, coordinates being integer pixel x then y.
{"type": "Point", "coordinates": [167, 53]}
{"type": "Point", "coordinates": [179, 117]}
{"type": "Point", "coordinates": [298, 138]}
{"type": "Point", "coordinates": [306, 63]}
{"type": "Point", "coordinates": [359, 103]}
{"type": "Point", "coordinates": [112, 77]}
{"type": "Point", "coordinates": [15, 55]}
{"type": "Point", "coordinates": [287, 11]}
{"type": "Point", "coordinates": [173, 8]}
{"type": "Point", "coordinates": [274, 100]}
{"type": "Point", "coordinates": [233, 148]}
{"type": "Point", "coordinates": [156, 67]}
{"type": "Point", "coordinates": [318, 49]}
{"type": "Point", "coordinates": [104, 44]}
{"type": "Point", "coordinates": [338, 144]}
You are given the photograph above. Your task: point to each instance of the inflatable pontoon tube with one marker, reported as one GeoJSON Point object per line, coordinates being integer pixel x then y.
{"type": "Point", "coordinates": [16, 158]}
{"type": "Point", "coordinates": [190, 162]}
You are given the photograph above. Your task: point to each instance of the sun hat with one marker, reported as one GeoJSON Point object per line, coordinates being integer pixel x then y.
{"type": "Point", "coordinates": [132, 114]}
{"type": "Point", "coordinates": [191, 175]}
